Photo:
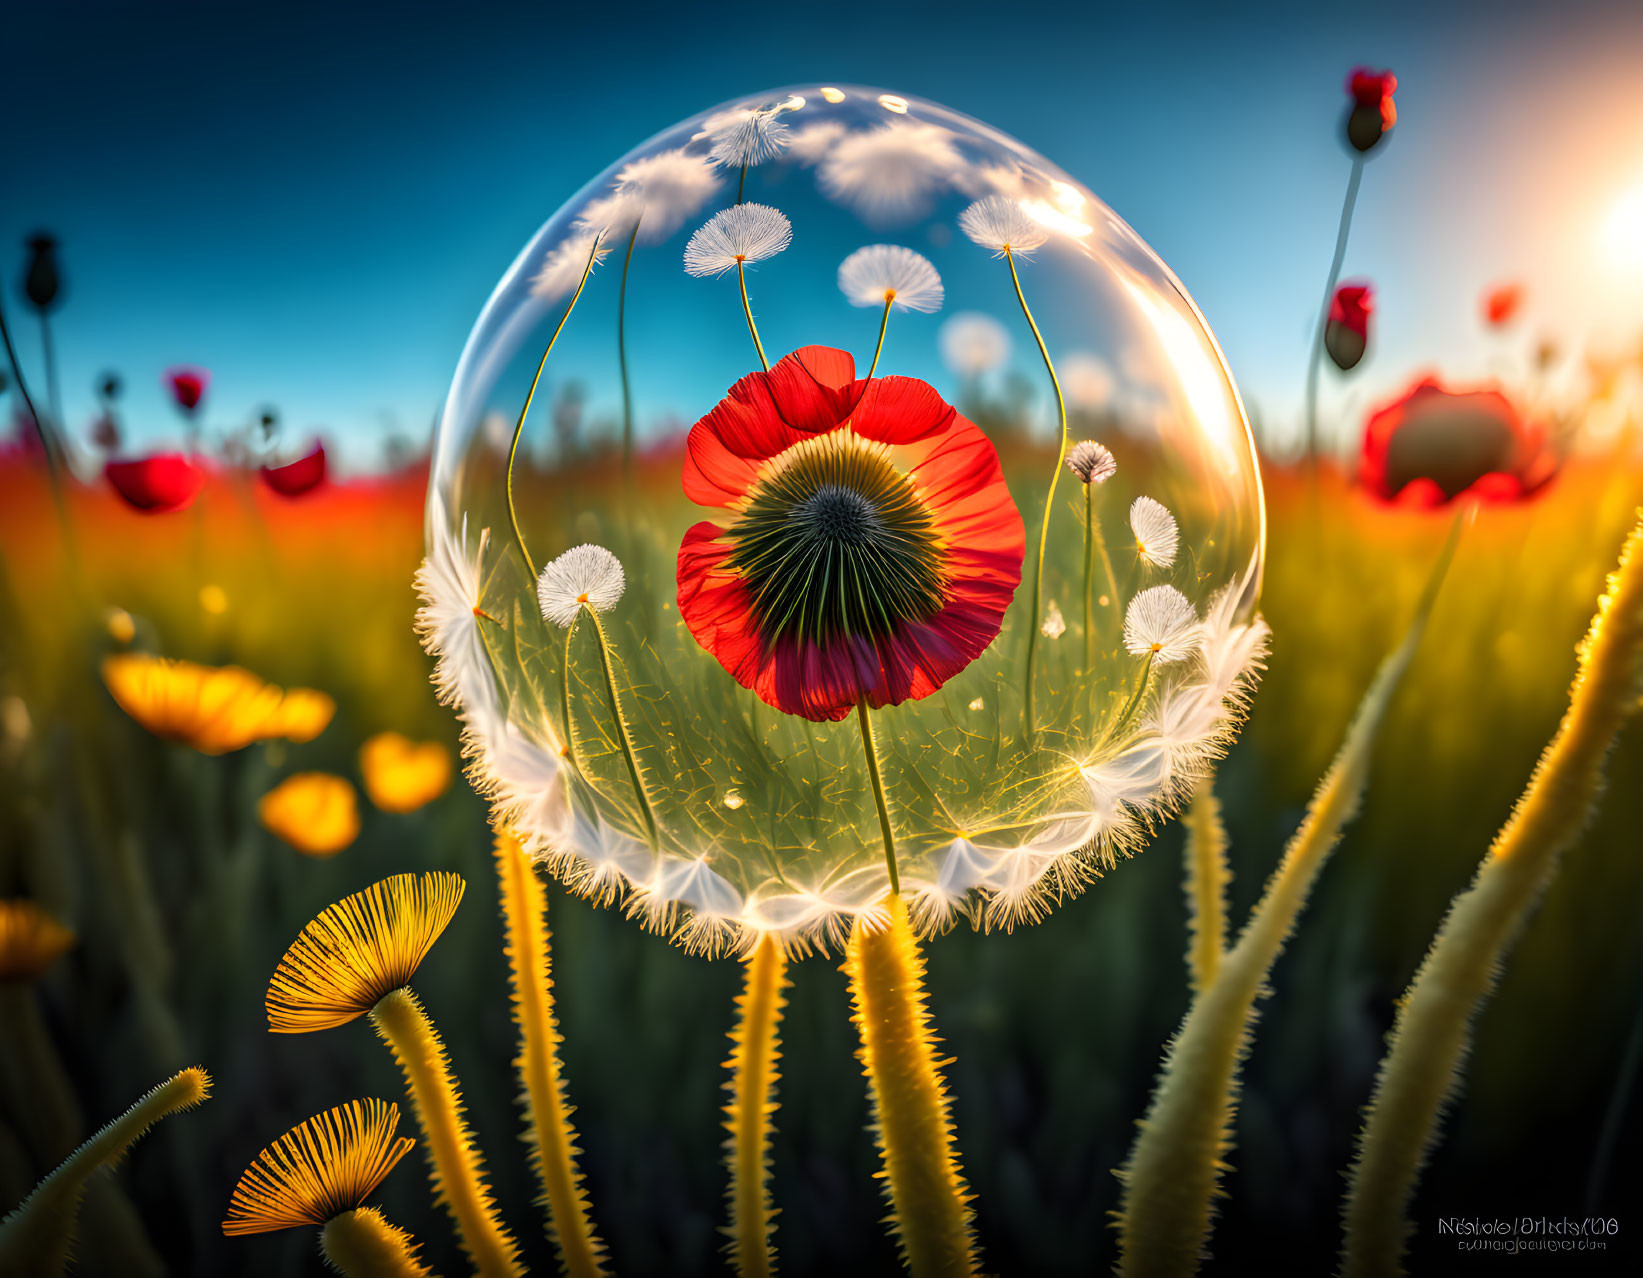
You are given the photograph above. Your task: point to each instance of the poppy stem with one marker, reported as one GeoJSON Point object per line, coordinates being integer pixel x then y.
{"type": "Point", "coordinates": [1049, 498]}
{"type": "Point", "coordinates": [1315, 362]}
{"type": "Point", "coordinates": [747, 309]}
{"type": "Point", "coordinates": [621, 722]}
{"type": "Point", "coordinates": [49, 445]}
{"type": "Point", "coordinates": [870, 751]}
{"type": "Point", "coordinates": [884, 323]}
{"type": "Point", "coordinates": [519, 426]}
{"type": "Point", "coordinates": [622, 348]}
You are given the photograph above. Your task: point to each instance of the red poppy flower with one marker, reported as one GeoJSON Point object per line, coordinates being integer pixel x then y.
{"type": "Point", "coordinates": [1373, 110]}
{"type": "Point", "coordinates": [1346, 333]}
{"type": "Point", "coordinates": [1432, 445]}
{"type": "Point", "coordinates": [1501, 305]}
{"type": "Point", "coordinates": [871, 548]}
{"type": "Point", "coordinates": [187, 386]}
{"type": "Point", "coordinates": [296, 478]}
{"type": "Point", "coordinates": [158, 483]}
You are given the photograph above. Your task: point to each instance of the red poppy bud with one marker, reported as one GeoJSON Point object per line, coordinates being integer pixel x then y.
{"type": "Point", "coordinates": [1501, 305]}
{"type": "Point", "coordinates": [1373, 111]}
{"type": "Point", "coordinates": [158, 483]}
{"type": "Point", "coordinates": [1346, 332]}
{"type": "Point", "coordinates": [187, 386]}
{"type": "Point", "coordinates": [298, 477]}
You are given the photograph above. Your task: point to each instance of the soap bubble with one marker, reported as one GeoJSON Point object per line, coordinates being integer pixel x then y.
{"type": "Point", "coordinates": [735, 647]}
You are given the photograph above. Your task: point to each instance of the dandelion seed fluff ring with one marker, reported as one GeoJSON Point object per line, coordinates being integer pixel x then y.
{"type": "Point", "coordinates": [872, 413]}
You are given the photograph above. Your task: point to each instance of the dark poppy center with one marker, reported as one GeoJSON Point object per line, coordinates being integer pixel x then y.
{"type": "Point", "coordinates": [1454, 449]}
{"type": "Point", "coordinates": [835, 542]}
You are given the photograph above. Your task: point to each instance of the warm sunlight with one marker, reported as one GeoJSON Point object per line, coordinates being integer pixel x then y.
{"type": "Point", "coordinates": [1623, 231]}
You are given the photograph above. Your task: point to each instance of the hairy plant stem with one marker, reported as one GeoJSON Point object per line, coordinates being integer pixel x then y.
{"type": "Point", "coordinates": [755, 1049]}
{"type": "Point", "coordinates": [363, 1244]}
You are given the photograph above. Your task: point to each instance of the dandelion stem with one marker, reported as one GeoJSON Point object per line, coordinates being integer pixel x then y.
{"type": "Point", "coordinates": [1206, 885]}
{"type": "Point", "coordinates": [755, 1049]}
{"type": "Point", "coordinates": [551, 1135]}
{"type": "Point", "coordinates": [564, 694]}
{"type": "Point", "coordinates": [454, 1159]}
{"type": "Point", "coordinates": [741, 182]}
{"type": "Point", "coordinates": [747, 309]}
{"type": "Point", "coordinates": [622, 347]}
{"type": "Point", "coordinates": [622, 733]}
{"type": "Point", "coordinates": [929, 1209]}
{"type": "Point", "coordinates": [870, 752]}
{"type": "Point", "coordinates": [1049, 498]}
{"type": "Point", "coordinates": [1089, 575]}
{"type": "Point", "coordinates": [519, 426]}
{"type": "Point", "coordinates": [363, 1244]}
{"type": "Point", "coordinates": [1315, 361]}
{"type": "Point", "coordinates": [889, 297]}
{"type": "Point", "coordinates": [1141, 685]}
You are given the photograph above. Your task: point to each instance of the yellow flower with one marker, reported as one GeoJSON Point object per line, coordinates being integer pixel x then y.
{"type": "Point", "coordinates": [314, 812]}
{"type": "Point", "coordinates": [214, 709]}
{"type": "Point", "coordinates": [30, 941]}
{"type": "Point", "coordinates": [402, 775]}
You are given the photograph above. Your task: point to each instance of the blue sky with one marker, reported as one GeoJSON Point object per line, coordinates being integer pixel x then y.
{"type": "Point", "coordinates": [315, 200]}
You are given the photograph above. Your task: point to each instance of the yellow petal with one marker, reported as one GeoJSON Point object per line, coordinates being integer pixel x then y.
{"type": "Point", "coordinates": [314, 812]}
{"type": "Point", "coordinates": [304, 714]}
{"type": "Point", "coordinates": [402, 775]}
{"type": "Point", "coordinates": [214, 709]}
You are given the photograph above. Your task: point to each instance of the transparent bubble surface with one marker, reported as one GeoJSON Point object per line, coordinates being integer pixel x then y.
{"type": "Point", "coordinates": [846, 541]}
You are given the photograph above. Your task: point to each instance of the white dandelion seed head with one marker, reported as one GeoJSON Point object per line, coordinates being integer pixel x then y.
{"type": "Point", "coordinates": [745, 135]}
{"type": "Point", "coordinates": [563, 268]}
{"type": "Point", "coordinates": [999, 223]}
{"type": "Point", "coordinates": [449, 583]}
{"type": "Point", "coordinates": [744, 233]}
{"type": "Point", "coordinates": [887, 174]}
{"type": "Point", "coordinates": [973, 344]}
{"type": "Point", "coordinates": [883, 273]}
{"type": "Point", "coordinates": [666, 188]}
{"type": "Point", "coordinates": [1055, 625]}
{"type": "Point", "coordinates": [588, 575]}
{"type": "Point", "coordinates": [1093, 463]}
{"type": "Point", "coordinates": [1160, 622]}
{"type": "Point", "coordinates": [1157, 537]}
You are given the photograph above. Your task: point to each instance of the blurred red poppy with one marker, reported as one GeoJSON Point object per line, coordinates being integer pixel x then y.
{"type": "Point", "coordinates": [870, 546]}
{"type": "Point", "coordinates": [1501, 305]}
{"type": "Point", "coordinates": [1432, 445]}
{"type": "Point", "coordinates": [187, 385]}
{"type": "Point", "coordinates": [301, 476]}
{"type": "Point", "coordinates": [1373, 110]}
{"type": "Point", "coordinates": [1346, 334]}
{"type": "Point", "coordinates": [158, 483]}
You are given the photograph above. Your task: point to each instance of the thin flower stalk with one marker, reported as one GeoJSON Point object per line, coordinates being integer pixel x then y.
{"type": "Point", "coordinates": [1174, 1169]}
{"type": "Point", "coordinates": [519, 426]}
{"type": "Point", "coordinates": [869, 750]}
{"type": "Point", "coordinates": [551, 1134]}
{"type": "Point", "coordinates": [1206, 886]}
{"type": "Point", "coordinates": [1421, 1070]}
{"type": "Point", "coordinates": [37, 1237]}
{"type": "Point", "coordinates": [363, 1244]}
{"type": "Point", "coordinates": [622, 346]}
{"type": "Point", "coordinates": [1095, 543]}
{"type": "Point", "coordinates": [1316, 353]}
{"type": "Point", "coordinates": [929, 1201]}
{"type": "Point", "coordinates": [623, 734]}
{"type": "Point", "coordinates": [755, 1049]}
{"type": "Point", "coordinates": [747, 310]}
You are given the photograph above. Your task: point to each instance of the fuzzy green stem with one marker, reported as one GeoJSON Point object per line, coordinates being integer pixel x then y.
{"type": "Point", "coordinates": [622, 348]}
{"type": "Point", "coordinates": [884, 323]}
{"type": "Point", "coordinates": [1206, 885]}
{"type": "Point", "coordinates": [870, 752]}
{"type": "Point", "coordinates": [747, 309]}
{"type": "Point", "coordinates": [622, 733]}
{"type": "Point", "coordinates": [363, 1244]}
{"type": "Point", "coordinates": [755, 1049]}
{"type": "Point", "coordinates": [1049, 498]}
{"type": "Point", "coordinates": [1315, 361]}
{"type": "Point", "coordinates": [519, 426]}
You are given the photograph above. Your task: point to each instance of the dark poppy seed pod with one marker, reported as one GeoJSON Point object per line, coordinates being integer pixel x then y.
{"type": "Point", "coordinates": [43, 282]}
{"type": "Point", "coordinates": [1373, 111]}
{"type": "Point", "coordinates": [1346, 332]}
{"type": "Point", "coordinates": [109, 386]}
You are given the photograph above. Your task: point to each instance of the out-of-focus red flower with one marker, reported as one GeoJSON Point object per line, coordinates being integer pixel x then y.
{"type": "Point", "coordinates": [1346, 332]}
{"type": "Point", "coordinates": [187, 386]}
{"type": "Point", "coordinates": [1502, 304]}
{"type": "Point", "coordinates": [1432, 445]}
{"type": "Point", "coordinates": [1373, 110]}
{"type": "Point", "coordinates": [870, 547]}
{"type": "Point", "coordinates": [296, 478]}
{"type": "Point", "coordinates": [158, 483]}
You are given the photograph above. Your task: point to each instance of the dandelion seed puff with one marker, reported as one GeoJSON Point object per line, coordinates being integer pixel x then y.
{"type": "Point", "coordinates": [1157, 538]}
{"type": "Point", "coordinates": [888, 173]}
{"type": "Point", "coordinates": [1055, 625]}
{"type": "Point", "coordinates": [667, 188]}
{"type": "Point", "coordinates": [883, 273]}
{"type": "Point", "coordinates": [973, 344]}
{"type": "Point", "coordinates": [742, 234]}
{"type": "Point", "coordinates": [613, 214]}
{"type": "Point", "coordinates": [588, 575]}
{"type": "Point", "coordinates": [1160, 622]}
{"type": "Point", "coordinates": [745, 135]}
{"type": "Point", "coordinates": [1093, 463]}
{"type": "Point", "coordinates": [448, 621]}
{"type": "Point", "coordinates": [999, 223]}
{"type": "Point", "coordinates": [563, 269]}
